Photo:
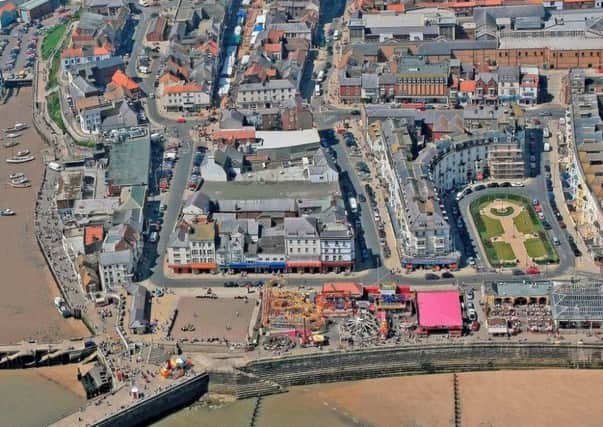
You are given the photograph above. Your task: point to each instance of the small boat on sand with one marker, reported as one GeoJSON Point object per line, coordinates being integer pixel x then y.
{"type": "Point", "coordinates": [16, 175]}
{"type": "Point", "coordinates": [11, 144]}
{"type": "Point", "coordinates": [20, 159]}
{"type": "Point", "coordinates": [22, 153]}
{"type": "Point", "coordinates": [7, 212]}
{"type": "Point", "coordinates": [21, 185]}
{"type": "Point", "coordinates": [17, 127]}
{"type": "Point", "coordinates": [20, 180]}
{"type": "Point", "coordinates": [13, 135]}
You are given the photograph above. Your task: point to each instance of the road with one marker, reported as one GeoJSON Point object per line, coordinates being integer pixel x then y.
{"type": "Point", "coordinates": [326, 117]}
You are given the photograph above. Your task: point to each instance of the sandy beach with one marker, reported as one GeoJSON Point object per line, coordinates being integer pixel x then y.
{"type": "Point", "coordinates": [27, 285]}
{"type": "Point", "coordinates": [495, 399]}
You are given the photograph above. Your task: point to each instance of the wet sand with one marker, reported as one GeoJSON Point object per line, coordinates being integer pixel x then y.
{"type": "Point", "coordinates": [515, 398]}
{"type": "Point", "coordinates": [32, 397]}
{"type": "Point", "coordinates": [26, 308]}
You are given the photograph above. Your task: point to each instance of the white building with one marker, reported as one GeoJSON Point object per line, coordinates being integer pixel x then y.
{"type": "Point", "coordinates": [508, 83]}
{"type": "Point", "coordinates": [337, 251]}
{"type": "Point", "coordinates": [115, 269]}
{"type": "Point", "coordinates": [266, 94]}
{"type": "Point", "coordinates": [185, 97]}
{"type": "Point", "coordinates": [192, 248]}
{"type": "Point", "coordinates": [302, 242]}
{"type": "Point", "coordinates": [529, 86]}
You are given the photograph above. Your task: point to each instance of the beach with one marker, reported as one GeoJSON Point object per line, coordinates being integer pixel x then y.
{"type": "Point", "coordinates": [502, 398]}
{"type": "Point", "coordinates": [27, 285]}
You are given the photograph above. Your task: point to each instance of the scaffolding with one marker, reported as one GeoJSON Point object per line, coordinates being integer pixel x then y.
{"type": "Point", "coordinates": [578, 304]}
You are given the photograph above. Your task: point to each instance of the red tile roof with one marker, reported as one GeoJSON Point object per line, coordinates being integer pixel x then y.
{"type": "Point", "coordinates": [467, 86]}
{"type": "Point", "coordinates": [8, 7]}
{"type": "Point", "coordinates": [273, 48]}
{"type": "Point", "coordinates": [182, 88]}
{"type": "Point", "coordinates": [74, 52]}
{"type": "Point", "coordinates": [120, 78]}
{"type": "Point", "coordinates": [92, 234]}
{"type": "Point", "coordinates": [234, 134]}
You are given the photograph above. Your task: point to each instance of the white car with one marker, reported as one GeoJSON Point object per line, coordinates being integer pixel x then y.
{"type": "Point", "coordinates": [517, 184]}
{"type": "Point", "coordinates": [153, 237]}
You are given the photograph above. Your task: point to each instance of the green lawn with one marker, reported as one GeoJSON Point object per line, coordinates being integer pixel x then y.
{"type": "Point", "coordinates": [493, 226]}
{"type": "Point", "coordinates": [504, 251]}
{"type": "Point", "coordinates": [535, 248]}
{"type": "Point", "coordinates": [54, 110]}
{"type": "Point", "coordinates": [523, 222]}
{"type": "Point", "coordinates": [51, 40]}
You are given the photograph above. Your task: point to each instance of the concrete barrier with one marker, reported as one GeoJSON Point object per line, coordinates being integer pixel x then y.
{"type": "Point", "coordinates": [419, 359]}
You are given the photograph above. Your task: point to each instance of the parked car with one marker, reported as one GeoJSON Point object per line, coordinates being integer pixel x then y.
{"type": "Point", "coordinates": [231, 284]}
{"type": "Point", "coordinates": [431, 276]}
{"type": "Point", "coordinates": [447, 275]}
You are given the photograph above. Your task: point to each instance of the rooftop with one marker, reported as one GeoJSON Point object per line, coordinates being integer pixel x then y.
{"type": "Point", "coordinates": [439, 309]}
{"type": "Point", "coordinates": [129, 162]}
{"type": "Point", "coordinates": [278, 139]}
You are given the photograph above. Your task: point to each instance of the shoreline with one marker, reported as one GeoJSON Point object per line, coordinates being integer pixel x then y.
{"type": "Point", "coordinates": [27, 280]}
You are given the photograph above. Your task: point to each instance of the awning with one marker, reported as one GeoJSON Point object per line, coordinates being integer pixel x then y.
{"type": "Point", "coordinates": [304, 264]}
{"type": "Point", "coordinates": [196, 266]}
{"type": "Point", "coordinates": [337, 263]}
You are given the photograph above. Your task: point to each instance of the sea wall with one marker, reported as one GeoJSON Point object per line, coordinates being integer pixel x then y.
{"type": "Point", "coordinates": [419, 359]}
{"type": "Point", "coordinates": [158, 405]}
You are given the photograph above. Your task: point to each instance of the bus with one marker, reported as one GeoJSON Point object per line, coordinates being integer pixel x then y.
{"type": "Point", "coordinates": [353, 204]}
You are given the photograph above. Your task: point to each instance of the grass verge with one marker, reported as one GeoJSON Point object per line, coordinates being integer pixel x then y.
{"type": "Point", "coordinates": [51, 40]}
{"type": "Point", "coordinates": [54, 110]}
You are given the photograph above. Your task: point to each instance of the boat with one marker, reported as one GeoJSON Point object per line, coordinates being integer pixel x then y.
{"type": "Point", "coordinates": [16, 175]}
{"type": "Point", "coordinates": [13, 135]}
{"type": "Point", "coordinates": [21, 185]}
{"type": "Point", "coordinates": [22, 153]}
{"type": "Point", "coordinates": [11, 144]}
{"type": "Point", "coordinates": [20, 159]}
{"type": "Point", "coordinates": [7, 212]}
{"type": "Point", "coordinates": [17, 127]}
{"type": "Point", "coordinates": [21, 180]}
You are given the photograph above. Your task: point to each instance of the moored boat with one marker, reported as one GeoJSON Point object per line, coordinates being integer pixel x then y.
{"type": "Point", "coordinates": [13, 135]}
{"type": "Point", "coordinates": [11, 144]}
{"type": "Point", "coordinates": [22, 185]}
{"type": "Point", "coordinates": [22, 153]}
{"type": "Point", "coordinates": [7, 212]}
{"type": "Point", "coordinates": [16, 175]}
{"type": "Point", "coordinates": [20, 159]}
{"type": "Point", "coordinates": [19, 180]}
{"type": "Point", "coordinates": [17, 127]}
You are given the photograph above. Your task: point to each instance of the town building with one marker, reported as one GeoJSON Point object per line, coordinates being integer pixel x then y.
{"type": "Point", "coordinates": [37, 9]}
{"type": "Point", "coordinates": [185, 97]}
{"type": "Point", "coordinates": [140, 310]}
{"type": "Point", "coordinates": [192, 248]}
{"type": "Point", "coordinates": [265, 94]}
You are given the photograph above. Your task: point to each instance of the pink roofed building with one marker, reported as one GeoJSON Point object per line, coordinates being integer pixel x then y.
{"type": "Point", "coordinates": [439, 311]}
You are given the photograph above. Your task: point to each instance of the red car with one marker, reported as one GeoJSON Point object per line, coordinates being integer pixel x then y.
{"type": "Point", "coordinates": [533, 270]}
{"type": "Point", "coordinates": [181, 120]}
{"type": "Point", "coordinates": [562, 224]}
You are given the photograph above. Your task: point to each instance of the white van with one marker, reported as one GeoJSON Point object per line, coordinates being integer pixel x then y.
{"type": "Point", "coordinates": [317, 90]}
{"type": "Point", "coordinates": [153, 237]}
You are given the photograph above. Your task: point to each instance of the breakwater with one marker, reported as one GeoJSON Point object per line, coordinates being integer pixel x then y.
{"type": "Point", "coordinates": [32, 354]}
{"type": "Point", "coordinates": [360, 364]}
{"type": "Point", "coordinates": [151, 407]}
